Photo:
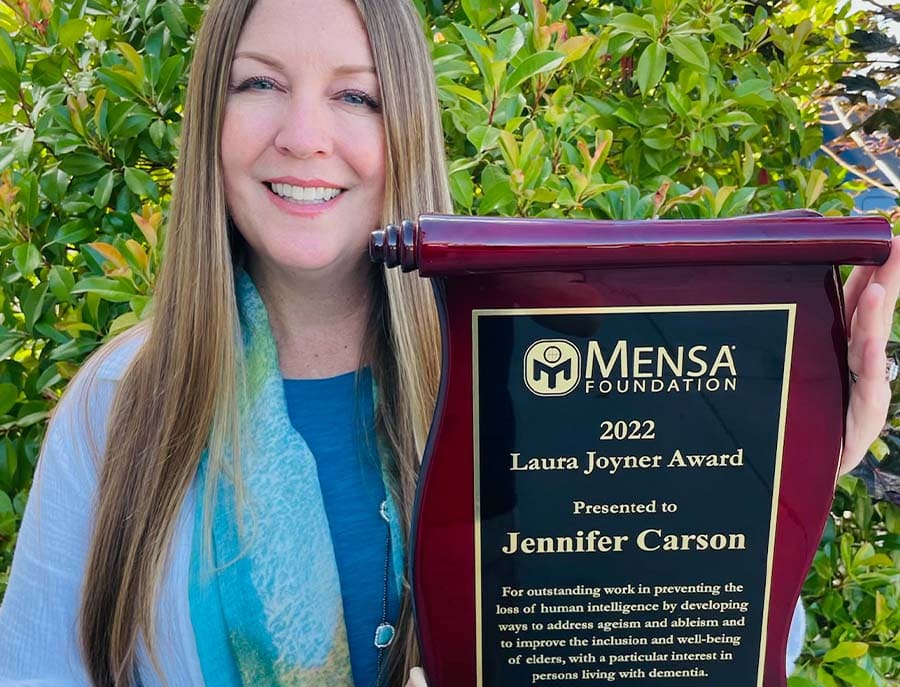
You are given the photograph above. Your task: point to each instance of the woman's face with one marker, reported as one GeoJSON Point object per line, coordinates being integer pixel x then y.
{"type": "Point", "coordinates": [303, 149]}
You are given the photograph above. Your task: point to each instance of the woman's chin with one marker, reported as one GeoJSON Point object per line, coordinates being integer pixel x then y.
{"type": "Point", "coordinates": [307, 265]}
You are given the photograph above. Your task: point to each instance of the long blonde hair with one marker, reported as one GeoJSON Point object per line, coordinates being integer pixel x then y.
{"type": "Point", "coordinates": [179, 396]}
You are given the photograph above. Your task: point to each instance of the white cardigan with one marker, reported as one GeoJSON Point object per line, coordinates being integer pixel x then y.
{"type": "Point", "coordinates": [38, 634]}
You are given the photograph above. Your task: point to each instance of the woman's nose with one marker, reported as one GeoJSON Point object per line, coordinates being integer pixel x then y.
{"type": "Point", "coordinates": [305, 129]}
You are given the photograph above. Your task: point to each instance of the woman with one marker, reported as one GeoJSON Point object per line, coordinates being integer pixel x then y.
{"type": "Point", "coordinates": [290, 157]}
{"type": "Point", "coordinates": [307, 125]}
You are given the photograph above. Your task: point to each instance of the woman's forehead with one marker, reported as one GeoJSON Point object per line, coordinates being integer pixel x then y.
{"type": "Point", "coordinates": [310, 31]}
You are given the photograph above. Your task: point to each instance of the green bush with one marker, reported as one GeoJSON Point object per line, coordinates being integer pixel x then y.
{"type": "Point", "coordinates": [91, 98]}
{"type": "Point", "coordinates": [669, 108]}
{"type": "Point", "coordinates": [657, 108]}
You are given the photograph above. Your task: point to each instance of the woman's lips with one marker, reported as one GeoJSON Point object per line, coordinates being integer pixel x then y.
{"type": "Point", "coordinates": [302, 208]}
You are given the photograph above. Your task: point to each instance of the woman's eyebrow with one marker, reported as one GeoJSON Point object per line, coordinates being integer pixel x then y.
{"type": "Point", "coordinates": [355, 69]}
{"type": "Point", "coordinates": [273, 62]}
{"type": "Point", "coordinates": [260, 57]}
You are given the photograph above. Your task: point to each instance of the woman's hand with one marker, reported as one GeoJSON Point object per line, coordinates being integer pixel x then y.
{"type": "Point", "coordinates": [416, 678]}
{"type": "Point", "coordinates": [870, 295]}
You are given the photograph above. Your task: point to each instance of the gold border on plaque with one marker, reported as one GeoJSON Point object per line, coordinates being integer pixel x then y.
{"type": "Point", "coordinates": [477, 481]}
{"type": "Point", "coordinates": [776, 485]}
{"type": "Point", "coordinates": [790, 308]}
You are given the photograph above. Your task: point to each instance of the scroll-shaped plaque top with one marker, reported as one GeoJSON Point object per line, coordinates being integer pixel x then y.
{"type": "Point", "coordinates": [635, 443]}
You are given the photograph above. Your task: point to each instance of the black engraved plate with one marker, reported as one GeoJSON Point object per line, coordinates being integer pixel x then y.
{"type": "Point", "coordinates": [627, 468]}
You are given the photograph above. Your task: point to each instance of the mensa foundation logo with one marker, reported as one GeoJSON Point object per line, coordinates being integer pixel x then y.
{"type": "Point", "coordinates": [552, 367]}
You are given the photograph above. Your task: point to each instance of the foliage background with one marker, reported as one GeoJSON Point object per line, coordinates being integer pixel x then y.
{"type": "Point", "coordinates": [638, 109]}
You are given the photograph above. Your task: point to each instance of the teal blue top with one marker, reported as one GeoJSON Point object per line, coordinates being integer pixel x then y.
{"type": "Point", "coordinates": [335, 417]}
{"type": "Point", "coordinates": [339, 427]}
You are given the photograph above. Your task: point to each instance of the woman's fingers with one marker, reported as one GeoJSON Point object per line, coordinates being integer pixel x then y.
{"type": "Point", "coordinates": [870, 396]}
{"type": "Point", "coordinates": [853, 288]}
{"type": "Point", "coordinates": [887, 275]}
{"type": "Point", "coordinates": [870, 295]}
{"type": "Point", "coordinates": [867, 325]}
{"type": "Point", "coordinates": [416, 678]}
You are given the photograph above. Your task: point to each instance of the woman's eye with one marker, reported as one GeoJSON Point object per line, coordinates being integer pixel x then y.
{"type": "Point", "coordinates": [360, 98]}
{"type": "Point", "coordinates": [257, 83]}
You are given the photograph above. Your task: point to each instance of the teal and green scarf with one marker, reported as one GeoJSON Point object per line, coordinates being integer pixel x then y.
{"type": "Point", "coordinates": [267, 610]}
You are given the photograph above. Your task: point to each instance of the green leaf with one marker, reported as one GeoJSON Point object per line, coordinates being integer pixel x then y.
{"type": "Point", "coordinates": [879, 449]}
{"type": "Point", "coordinates": [10, 342]}
{"type": "Point", "coordinates": [48, 71]}
{"type": "Point", "coordinates": [104, 189]}
{"type": "Point", "coordinates": [483, 137]}
{"type": "Point", "coordinates": [9, 393]}
{"type": "Point", "coordinates": [9, 463]}
{"type": "Point", "coordinates": [75, 349]}
{"type": "Point", "coordinates": [738, 201]}
{"type": "Point", "coordinates": [736, 118]}
{"type": "Point", "coordinates": [26, 258]}
{"type": "Point", "coordinates": [679, 103]}
{"type": "Point", "coordinates": [158, 132]}
{"type": "Point", "coordinates": [464, 92]}
{"type": "Point", "coordinates": [690, 51]}
{"type": "Point", "coordinates": [855, 675]}
{"type": "Point", "coordinates": [72, 232]}
{"type": "Point", "coordinates": [54, 183]}
{"type": "Point", "coordinates": [7, 515]}
{"type": "Point", "coordinates": [509, 43]}
{"type": "Point", "coordinates": [102, 28]}
{"type": "Point", "coordinates": [120, 81]}
{"type": "Point", "coordinates": [175, 20]}
{"type": "Point", "coordinates": [9, 82]}
{"type": "Point", "coordinates": [800, 681]}
{"type": "Point", "coordinates": [651, 66]}
{"type": "Point", "coordinates": [26, 420]}
{"type": "Point", "coordinates": [171, 70]}
{"type": "Point", "coordinates": [7, 51]}
{"type": "Point", "coordinates": [113, 290]}
{"type": "Point", "coordinates": [134, 124]}
{"type": "Point", "coordinates": [33, 305]}
{"type": "Point", "coordinates": [627, 113]}
{"type": "Point", "coordinates": [71, 32]}
{"type": "Point", "coordinates": [49, 377]}
{"type": "Point", "coordinates": [814, 186]}
{"type": "Point", "coordinates": [538, 63]}
{"type": "Point", "coordinates": [748, 164]}
{"type": "Point", "coordinates": [474, 44]}
{"type": "Point", "coordinates": [754, 92]}
{"type": "Point", "coordinates": [133, 58]}
{"type": "Point", "coordinates": [123, 323]}
{"type": "Point", "coordinates": [138, 304]}
{"type": "Point", "coordinates": [140, 183]}
{"type": "Point", "coordinates": [61, 283]}
{"type": "Point", "coordinates": [632, 24]}
{"type": "Point", "coordinates": [117, 114]}
{"type": "Point", "coordinates": [478, 12]}
{"type": "Point", "coordinates": [462, 189]}
{"type": "Point", "coordinates": [81, 164]}
{"type": "Point", "coordinates": [497, 194]}
{"type": "Point", "coordinates": [730, 33]}
{"type": "Point", "coordinates": [658, 139]}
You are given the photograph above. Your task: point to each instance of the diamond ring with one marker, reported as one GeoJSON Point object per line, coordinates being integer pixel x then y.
{"type": "Point", "coordinates": [891, 370]}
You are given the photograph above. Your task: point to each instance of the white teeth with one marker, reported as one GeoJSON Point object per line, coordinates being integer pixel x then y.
{"type": "Point", "coordinates": [305, 194]}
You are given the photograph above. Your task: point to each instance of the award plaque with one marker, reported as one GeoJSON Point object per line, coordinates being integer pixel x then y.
{"type": "Point", "coordinates": [635, 444]}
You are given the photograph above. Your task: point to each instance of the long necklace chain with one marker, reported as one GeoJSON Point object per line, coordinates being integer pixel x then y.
{"type": "Point", "coordinates": [384, 633]}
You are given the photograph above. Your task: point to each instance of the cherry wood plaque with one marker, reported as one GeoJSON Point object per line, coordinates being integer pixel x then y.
{"type": "Point", "coordinates": [635, 445]}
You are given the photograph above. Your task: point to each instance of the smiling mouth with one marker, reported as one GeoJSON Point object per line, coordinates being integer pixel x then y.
{"type": "Point", "coordinates": [304, 195]}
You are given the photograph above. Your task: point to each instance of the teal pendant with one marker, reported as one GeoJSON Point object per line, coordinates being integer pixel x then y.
{"type": "Point", "coordinates": [384, 635]}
